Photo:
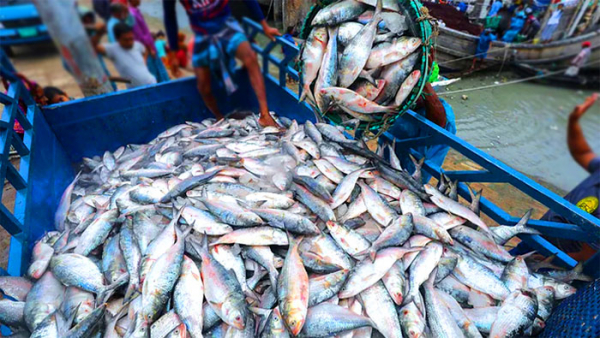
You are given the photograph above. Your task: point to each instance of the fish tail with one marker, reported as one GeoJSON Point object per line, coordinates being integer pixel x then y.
{"type": "Point", "coordinates": [523, 221]}
{"type": "Point", "coordinates": [522, 225]}
{"type": "Point", "coordinates": [132, 290]}
{"type": "Point", "coordinates": [273, 277]}
{"type": "Point", "coordinates": [106, 292]}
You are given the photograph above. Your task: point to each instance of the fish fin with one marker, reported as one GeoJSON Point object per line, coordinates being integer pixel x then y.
{"type": "Point", "coordinates": [453, 190]}
{"type": "Point", "coordinates": [378, 10]}
{"type": "Point", "coordinates": [577, 273]}
{"type": "Point", "coordinates": [522, 224]}
{"type": "Point", "coordinates": [235, 249]}
{"type": "Point", "coordinates": [368, 75]}
{"type": "Point", "coordinates": [545, 263]}
{"type": "Point", "coordinates": [106, 292]}
{"type": "Point", "coordinates": [71, 318]}
{"type": "Point", "coordinates": [417, 175]}
{"type": "Point", "coordinates": [442, 183]}
{"type": "Point", "coordinates": [251, 294]}
{"type": "Point", "coordinates": [527, 255]}
{"type": "Point", "coordinates": [204, 245]}
{"type": "Point", "coordinates": [475, 199]}
{"type": "Point", "coordinates": [372, 254]}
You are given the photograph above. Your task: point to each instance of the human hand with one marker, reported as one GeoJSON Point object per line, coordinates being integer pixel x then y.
{"type": "Point", "coordinates": [270, 32]}
{"type": "Point", "coordinates": [152, 52]}
{"type": "Point", "coordinates": [582, 108]}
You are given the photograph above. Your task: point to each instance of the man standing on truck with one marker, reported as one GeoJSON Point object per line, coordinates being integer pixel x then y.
{"type": "Point", "coordinates": [219, 38]}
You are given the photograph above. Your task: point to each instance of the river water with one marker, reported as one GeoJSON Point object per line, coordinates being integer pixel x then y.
{"type": "Point", "coordinates": [523, 125]}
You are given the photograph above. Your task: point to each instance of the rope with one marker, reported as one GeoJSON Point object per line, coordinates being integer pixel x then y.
{"type": "Point", "coordinates": [510, 82]}
{"type": "Point", "coordinates": [503, 61]}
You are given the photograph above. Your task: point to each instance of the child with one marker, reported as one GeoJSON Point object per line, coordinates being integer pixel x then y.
{"type": "Point", "coordinates": [118, 13]}
{"type": "Point", "coordinates": [55, 95]}
{"type": "Point", "coordinates": [129, 56]}
{"type": "Point", "coordinates": [161, 45]}
{"type": "Point", "coordinates": [182, 53]}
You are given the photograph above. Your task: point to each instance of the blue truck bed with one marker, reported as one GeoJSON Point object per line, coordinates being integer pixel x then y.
{"type": "Point", "coordinates": [59, 136]}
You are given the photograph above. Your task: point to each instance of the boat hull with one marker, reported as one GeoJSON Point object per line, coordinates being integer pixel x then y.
{"type": "Point", "coordinates": [454, 51]}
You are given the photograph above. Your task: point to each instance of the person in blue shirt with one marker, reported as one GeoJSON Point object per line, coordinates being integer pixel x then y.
{"type": "Point", "coordinates": [218, 40]}
{"type": "Point", "coordinates": [516, 24]}
{"type": "Point", "coordinates": [495, 8]}
{"type": "Point", "coordinates": [485, 42]}
{"type": "Point", "coordinates": [118, 13]}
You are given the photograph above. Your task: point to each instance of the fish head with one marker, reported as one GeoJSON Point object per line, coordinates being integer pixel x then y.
{"type": "Point", "coordinates": [295, 320]}
{"type": "Point", "coordinates": [277, 325]}
{"type": "Point", "coordinates": [563, 290]}
{"type": "Point", "coordinates": [235, 313]}
{"type": "Point", "coordinates": [413, 42]}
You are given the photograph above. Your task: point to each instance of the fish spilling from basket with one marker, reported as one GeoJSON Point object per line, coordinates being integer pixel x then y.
{"type": "Point", "coordinates": [358, 62]}
{"type": "Point", "coordinates": [227, 229]}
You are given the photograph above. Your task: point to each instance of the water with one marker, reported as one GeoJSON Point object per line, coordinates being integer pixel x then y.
{"type": "Point", "coordinates": [525, 126]}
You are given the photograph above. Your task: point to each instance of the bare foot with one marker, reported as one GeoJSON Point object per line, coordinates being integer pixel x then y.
{"type": "Point", "coordinates": [266, 120]}
{"type": "Point", "coordinates": [218, 116]}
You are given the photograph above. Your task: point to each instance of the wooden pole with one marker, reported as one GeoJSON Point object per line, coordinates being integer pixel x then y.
{"type": "Point", "coordinates": [580, 14]}
{"type": "Point", "coordinates": [69, 36]}
{"type": "Point", "coordinates": [484, 11]}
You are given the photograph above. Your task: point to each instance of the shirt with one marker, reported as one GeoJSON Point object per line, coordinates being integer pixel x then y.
{"type": "Point", "coordinates": [161, 48]}
{"type": "Point", "coordinates": [555, 18]}
{"type": "Point", "coordinates": [205, 16]}
{"type": "Point", "coordinates": [130, 63]}
{"type": "Point", "coordinates": [585, 196]}
{"type": "Point", "coordinates": [495, 8]}
{"type": "Point", "coordinates": [484, 42]}
{"type": "Point", "coordinates": [141, 32]}
{"type": "Point", "coordinates": [110, 25]}
{"type": "Point", "coordinates": [582, 58]}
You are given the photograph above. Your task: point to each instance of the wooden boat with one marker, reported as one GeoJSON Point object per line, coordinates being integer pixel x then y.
{"type": "Point", "coordinates": [588, 79]}
{"type": "Point", "coordinates": [454, 50]}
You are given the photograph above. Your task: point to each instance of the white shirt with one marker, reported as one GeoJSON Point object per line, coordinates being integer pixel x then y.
{"type": "Point", "coordinates": [130, 63]}
{"type": "Point", "coordinates": [555, 18]}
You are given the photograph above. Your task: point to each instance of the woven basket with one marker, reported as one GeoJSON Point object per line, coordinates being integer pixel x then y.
{"type": "Point", "coordinates": [418, 26]}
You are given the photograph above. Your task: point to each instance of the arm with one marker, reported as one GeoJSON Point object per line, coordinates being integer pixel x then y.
{"type": "Point", "coordinates": [95, 40]}
{"type": "Point", "coordinates": [257, 13]}
{"type": "Point", "coordinates": [578, 146]}
{"type": "Point", "coordinates": [170, 18]}
{"type": "Point", "coordinates": [434, 109]}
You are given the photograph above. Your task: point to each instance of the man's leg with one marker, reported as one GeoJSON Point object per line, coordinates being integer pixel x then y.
{"type": "Point", "coordinates": [245, 54]}
{"type": "Point", "coordinates": [203, 83]}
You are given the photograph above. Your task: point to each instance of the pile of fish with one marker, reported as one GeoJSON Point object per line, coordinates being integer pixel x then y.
{"type": "Point", "coordinates": [357, 63]}
{"type": "Point", "coordinates": [228, 229]}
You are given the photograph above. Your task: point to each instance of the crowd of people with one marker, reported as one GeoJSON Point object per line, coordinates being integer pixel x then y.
{"type": "Point", "coordinates": [520, 22]}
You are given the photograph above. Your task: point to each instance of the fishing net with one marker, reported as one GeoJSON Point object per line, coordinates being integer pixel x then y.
{"type": "Point", "coordinates": [421, 25]}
